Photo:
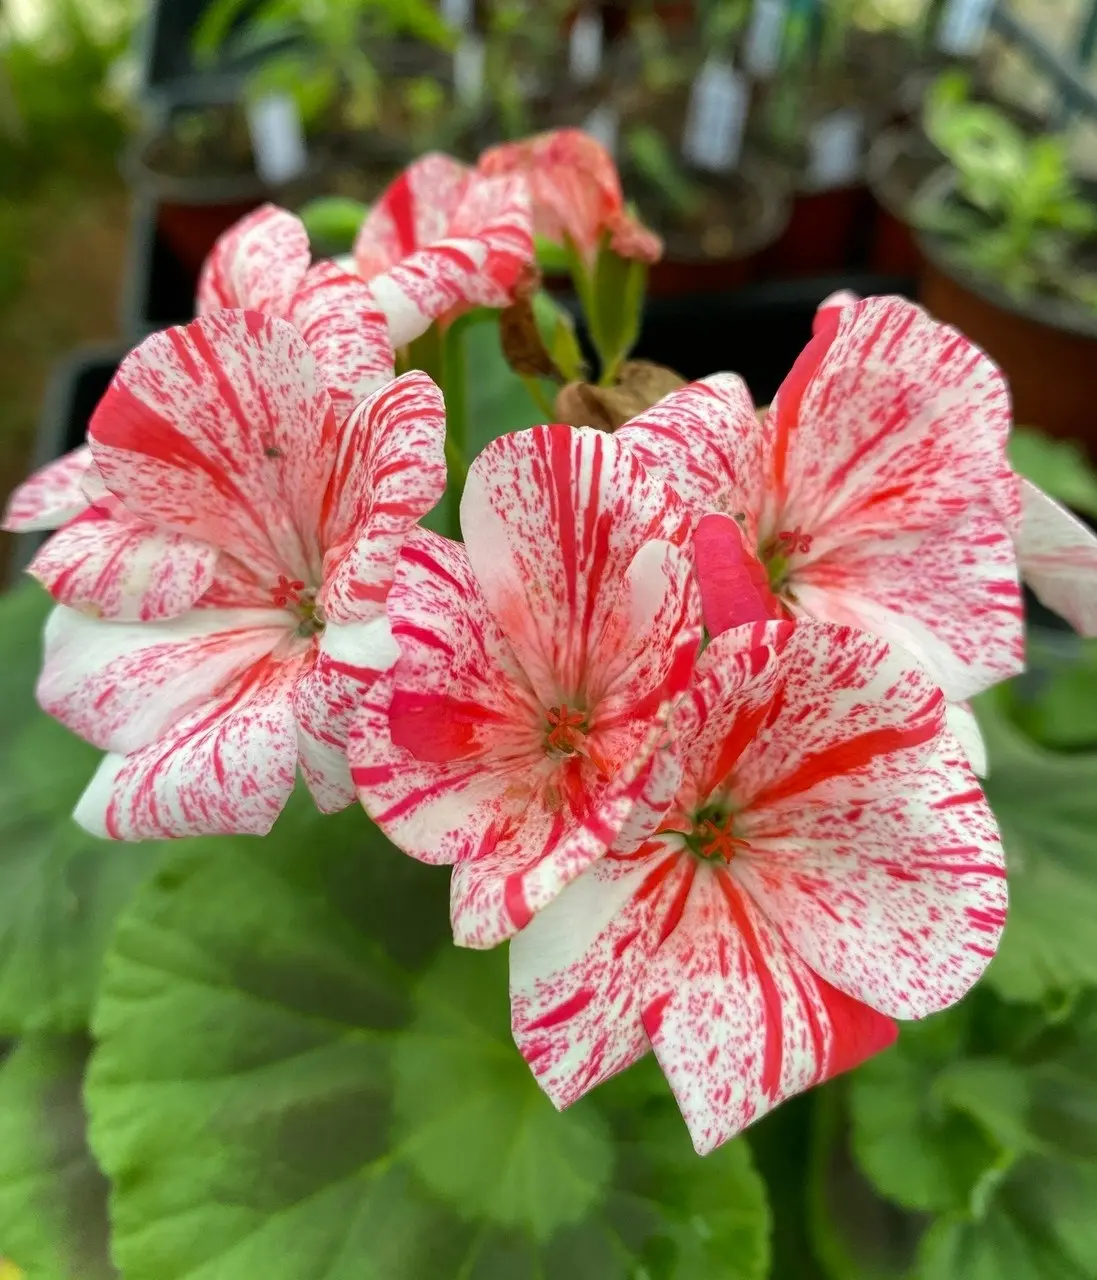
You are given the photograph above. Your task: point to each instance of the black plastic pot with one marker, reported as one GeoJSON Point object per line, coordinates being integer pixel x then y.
{"type": "Point", "coordinates": [158, 290]}
{"type": "Point", "coordinates": [757, 332]}
{"type": "Point", "coordinates": [166, 47]}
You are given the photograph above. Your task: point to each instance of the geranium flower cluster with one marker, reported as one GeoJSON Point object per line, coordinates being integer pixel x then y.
{"type": "Point", "coordinates": [685, 708]}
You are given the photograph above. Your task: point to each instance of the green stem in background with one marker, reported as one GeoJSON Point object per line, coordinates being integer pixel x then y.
{"type": "Point", "coordinates": [455, 387]}
{"type": "Point", "coordinates": [539, 398]}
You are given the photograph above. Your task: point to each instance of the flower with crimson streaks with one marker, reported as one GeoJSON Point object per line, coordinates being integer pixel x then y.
{"type": "Point", "coordinates": [828, 864]}
{"type": "Point", "coordinates": [443, 239]}
{"type": "Point", "coordinates": [260, 529]}
{"type": "Point", "coordinates": [576, 193]}
{"type": "Point", "coordinates": [518, 735]}
{"type": "Point", "coordinates": [875, 490]}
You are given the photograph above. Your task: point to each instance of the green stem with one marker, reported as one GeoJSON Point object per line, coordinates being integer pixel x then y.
{"type": "Point", "coordinates": [539, 398]}
{"type": "Point", "coordinates": [454, 384]}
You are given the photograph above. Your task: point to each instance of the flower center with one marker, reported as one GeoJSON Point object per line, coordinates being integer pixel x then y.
{"type": "Point", "coordinates": [713, 837]}
{"type": "Point", "coordinates": [292, 594]}
{"type": "Point", "coordinates": [567, 731]}
{"type": "Point", "coordinates": [776, 554]}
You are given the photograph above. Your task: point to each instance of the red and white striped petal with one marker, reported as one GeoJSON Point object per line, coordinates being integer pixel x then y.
{"type": "Point", "coordinates": [227, 767]}
{"type": "Point", "coordinates": [964, 727]}
{"type": "Point", "coordinates": [851, 718]}
{"type": "Point", "coordinates": [222, 431]}
{"type": "Point", "coordinates": [487, 249]}
{"type": "Point", "coordinates": [417, 209]}
{"type": "Point", "coordinates": [111, 565]}
{"type": "Point", "coordinates": [705, 442]}
{"type": "Point", "coordinates": [899, 902]}
{"type": "Point", "coordinates": [578, 968]}
{"type": "Point", "coordinates": [447, 751]}
{"type": "Point", "coordinates": [121, 685]}
{"type": "Point", "coordinates": [888, 421]}
{"type": "Point", "coordinates": [951, 596]}
{"type": "Point", "coordinates": [737, 1021]}
{"type": "Point", "coordinates": [553, 518]}
{"type": "Point", "coordinates": [334, 311]}
{"type": "Point", "coordinates": [51, 496]}
{"type": "Point", "coordinates": [349, 660]}
{"type": "Point", "coordinates": [501, 889]}
{"type": "Point", "coordinates": [390, 469]}
{"type": "Point", "coordinates": [257, 265]}
{"type": "Point", "coordinates": [1058, 556]}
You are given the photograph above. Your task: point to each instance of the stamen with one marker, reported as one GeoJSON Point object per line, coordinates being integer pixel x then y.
{"type": "Point", "coordinates": [716, 841]}
{"type": "Point", "coordinates": [566, 728]}
{"type": "Point", "coordinates": [287, 591]}
{"type": "Point", "coordinates": [795, 540]}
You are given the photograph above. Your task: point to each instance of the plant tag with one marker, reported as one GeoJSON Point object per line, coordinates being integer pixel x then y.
{"type": "Point", "coordinates": [585, 47]}
{"type": "Point", "coordinates": [762, 53]}
{"type": "Point", "coordinates": [962, 27]}
{"type": "Point", "coordinates": [458, 13]}
{"type": "Point", "coordinates": [835, 147]}
{"type": "Point", "coordinates": [716, 117]}
{"type": "Point", "coordinates": [468, 70]}
{"type": "Point", "coordinates": [604, 124]}
{"type": "Point", "coordinates": [277, 138]}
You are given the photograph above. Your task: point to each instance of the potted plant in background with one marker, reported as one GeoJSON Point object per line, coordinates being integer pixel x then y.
{"type": "Point", "coordinates": [1010, 246]}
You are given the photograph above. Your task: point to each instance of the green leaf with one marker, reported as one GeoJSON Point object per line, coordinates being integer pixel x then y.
{"type": "Point", "coordinates": [62, 887]}
{"type": "Point", "coordinates": [332, 223]}
{"type": "Point", "coordinates": [1059, 467]}
{"type": "Point", "coordinates": [618, 302]}
{"type": "Point", "coordinates": [285, 1087]}
{"type": "Point", "coordinates": [53, 1199]}
{"type": "Point", "coordinates": [499, 401]}
{"type": "Point", "coordinates": [1055, 701]}
{"type": "Point", "coordinates": [1046, 806]}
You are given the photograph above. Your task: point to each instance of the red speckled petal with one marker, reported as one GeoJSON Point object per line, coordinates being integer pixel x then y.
{"type": "Point", "coordinates": [578, 968]}
{"type": "Point", "coordinates": [111, 565]}
{"type": "Point", "coordinates": [349, 661]}
{"type": "Point", "coordinates": [120, 685]}
{"type": "Point", "coordinates": [335, 313]}
{"type": "Point", "coordinates": [737, 1021]}
{"type": "Point", "coordinates": [222, 431]}
{"type": "Point", "coordinates": [964, 727]}
{"type": "Point", "coordinates": [463, 707]}
{"type": "Point", "coordinates": [227, 767]}
{"type": "Point", "coordinates": [889, 421]}
{"type": "Point", "coordinates": [498, 892]}
{"type": "Point", "coordinates": [899, 902]}
{"type": "Point", "coordinates": [51, 496]}
{"type": "Point", "coordinates": [553, 518]}
{"type": "Point", "coordinates": [390, 470]}
{"type": "Point", "coordinates": [257, 264]}
{"type": "Point", "coordinates": [1059, 560]}
{"type": "Point", "coordinates": [704, 440]}
{"type": "Point", "coordinates": [951, 596]}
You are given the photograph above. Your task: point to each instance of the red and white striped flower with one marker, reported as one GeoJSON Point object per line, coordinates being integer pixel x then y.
{"type": "Point", "coordinates": [444, 239]}
{"type": "Point", "coordinates": [516, 737]}
{"type": "Point", "coordinates": [576, 193]}
{"type": "Point", "coordinates": [235, 562]}
{"type": "Point", "coordinates": [828, 864]}
{"type": "Point", "coordinates": [876, 489]}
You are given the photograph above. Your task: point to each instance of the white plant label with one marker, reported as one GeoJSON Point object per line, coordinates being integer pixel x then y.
{"type": "Point", "coordinates": [458, 13]}
{"type": "Point", "coordinates": [468, 70]}
{"type": "Point", "coordinates": [835, 147]}
{"type": "Point", "coordinates": [277, 138]}
{"type": "Point", "coordinates": [716, 117]}
{"type": "Point", "coordinates": [762, 53]}
{"type": "Point", "coordinates": [585, 47]}
{"type": "Point", "coordinates": [604, 124]}
{"type": "Point", "coordinates": [963, 26]}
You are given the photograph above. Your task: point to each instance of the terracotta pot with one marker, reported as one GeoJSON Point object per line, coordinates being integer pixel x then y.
{"type": "Point", "coordinates": [825, 235]}
{"type": "Point", "coordinates": [1047, 350]}
{"type": "Point", "coordinates": [899, 161]}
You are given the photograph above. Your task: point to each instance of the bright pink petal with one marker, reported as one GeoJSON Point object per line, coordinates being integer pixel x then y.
{"type": "Point", "coordinates": [335, 313]}
{"type": "Point", "coordinates": [704, 440]}
{"type": "Point", "coordinates": [834, 302]}
{"type": "Point", "coordinates": [889, 421]}
{"type": "Point", "coordinates": [735, 590]}
{"type": "Point", "coordinates": [737, 1021]}
{"type": "Point", "coordinates": [1058, 556]}
{"type": "Point", "coordinates": [454, 760]}
{"type": "Point", "coordinates": [348, 662]}
{"type": "Point", "coordinates": [899, 902]}
{"type": "Point", "coordinates": [498, 891]}
{"type": "Point", "coordinates": [111, 565]}
{"type": "Point", "coordinates": [121, 685]}
{"type": "Point", "coordinates": [389, 471]}
{"type": "Point", "coordinates": [257, 265]}
{"type": "Point", "coordinates": [227, 767]}
{"type": "Point", "coordinates": [951, 596]}
{"type": "Point", "coordinates": [51, 496]}
{"type": "Point", "coordinates": [553, 518]}
{"type": "Point", "coordinates": [220, 430]}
